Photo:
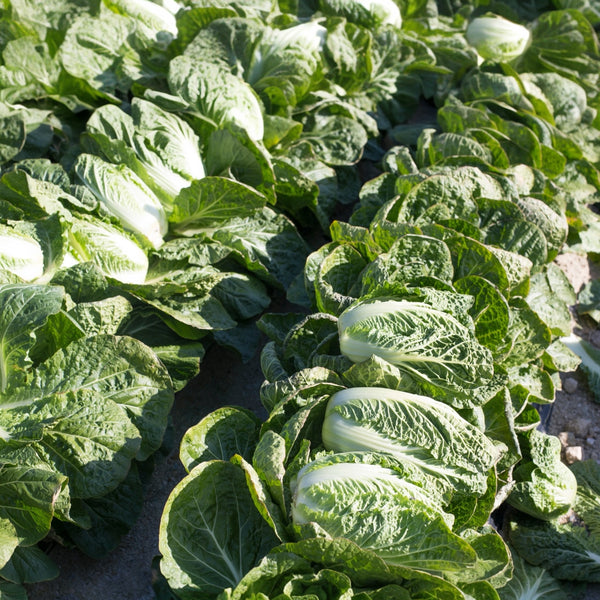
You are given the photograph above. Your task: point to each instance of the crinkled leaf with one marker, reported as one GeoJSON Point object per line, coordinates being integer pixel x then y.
{"type": "Point", "coordinates": [211, 534]}
{"type": "Point", "coordinates": [22, 309]}
{"type": "Point", "coordinates": [83, 435]}
{"type": "Point", "coordinates": [121, 369]}
{"type": "Point", "coordinates": [226, 431]}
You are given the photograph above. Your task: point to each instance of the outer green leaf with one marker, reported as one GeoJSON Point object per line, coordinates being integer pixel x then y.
{"type": "Point", "coordinates": [211, 534]}
{"type": "Point", "coordinates": [529, 335]}
{"type": "Point", "coordinates": [22, 310]}
{"type": "Point", "coordinates": [489, 311]}
{"type": "Point", "coordinates": [121, 369]}
{"type": "Point", "coordinates": [267, 243]}
{"type": "Point", "coordinates": [411, 257]}
{"type": "Point", "coordinates": [226, 431]}
{"type": "Point", "coordinates": [366, 569]}
{"type": "Point", "coordinates": [29, 565]}
{"type": "Point", "coordinates": [314, 332]}
{"type": "Point", "coordinates": [83, 435]}
{"type": "Point", "coordinates": [92, 48]}
{"type": "Point", "coordinates": [269, 461]}
{"type": "Point", "coordinates": [550, 295]}
{"type": "Point", "coordinates": [12, 591]}
{"type": "Point", "coordinates": [27, 498]}
{"type": "Point", "coordinates": [185, 298]}
{"type": "Point", "coordinates": [211, 202]}
{"type": "Point", "coordinates": [336, 278]}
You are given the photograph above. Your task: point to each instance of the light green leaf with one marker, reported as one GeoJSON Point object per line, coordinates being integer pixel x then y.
{"type": "Point", "coordinates": [22, 309]}
{"type": "Point", "coordinates": [121, 369]}
{"type": "Point", "coordinates": [226, 431]}
{"type": "Point", "coordinates": [211, 534]}
{"type": "Point", "coordinates": [211, 202]}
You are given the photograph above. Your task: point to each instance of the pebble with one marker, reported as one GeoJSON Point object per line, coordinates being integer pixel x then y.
{"type": "Point", "coordinates": [570, 385]}
{"type": "Point", "coordinates": [590, 441]}
{"type": "Point", "coordinates": [573, 454]}
{"type": "Point", "coordinates": [567, 438]}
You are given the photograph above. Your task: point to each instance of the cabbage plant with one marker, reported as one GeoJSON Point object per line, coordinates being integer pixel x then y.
{"type": "Point", "coordinates": [497, 39]}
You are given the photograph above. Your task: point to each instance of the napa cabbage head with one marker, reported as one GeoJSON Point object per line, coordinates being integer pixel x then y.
{"type": "Point", "coordinates": [109, 248]}
{"type": "Point", "coordinates": [434, 349]}
{"type": "Point", "coordinates": [306, 39]}
{"type": "Point", "coordinates": [379, 510]}
{"type": "Point", "coordinates": [310, 36]}
{"type": "Point", "coordinates": [414, 429]}
{"type": "Point", "coordinates": [169, 141]}
{"type": "Point", "coordinates": [20, 254]}
{"type": "Point", "coordinates": [165, 145]}
{"type": "Point", "coordinates": [124, 195]}
{"type": "Point", "coordinates": [497, 39]}
{"type": "Point", "coordinates": [322, 485]}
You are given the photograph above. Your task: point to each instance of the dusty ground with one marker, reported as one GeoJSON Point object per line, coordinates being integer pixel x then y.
{"type": "Point", "coordinates": [126, 574]}
{"type": "Point", "coordinates": [575, 417]}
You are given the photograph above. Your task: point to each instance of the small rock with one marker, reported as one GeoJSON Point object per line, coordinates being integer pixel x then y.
{"type": "Point", "coordinates": [567, 438]}
{"type": "Point", "coordinates": [573, 454]}
{"type": "Point", "coordinates": [590, 441]}
{"type": "Point", "coordinates": [570, 385]}
{"type": "Point", "coordinates": [580, 427]}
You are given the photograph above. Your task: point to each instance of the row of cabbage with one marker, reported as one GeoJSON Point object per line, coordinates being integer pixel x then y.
{"type": "Point", "coordinates": [404, 455]}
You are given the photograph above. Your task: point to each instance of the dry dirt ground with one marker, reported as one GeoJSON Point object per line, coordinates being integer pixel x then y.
{"type": "Point", "coordinates": [575, 417]}
{"type": "Point", "coordinates": [127, 573]}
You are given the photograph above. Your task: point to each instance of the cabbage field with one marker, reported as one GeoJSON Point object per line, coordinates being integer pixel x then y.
{"type": "Point", "coordinates": [361, 204]}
